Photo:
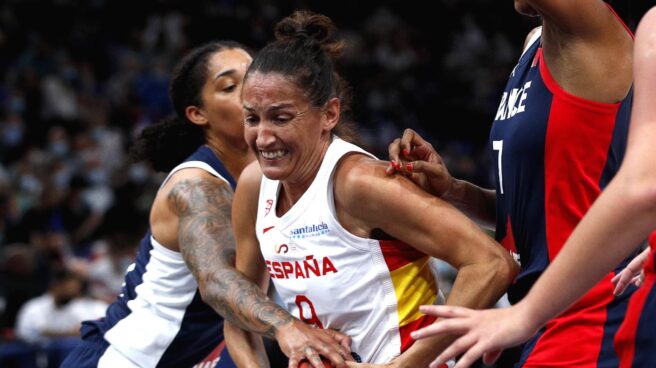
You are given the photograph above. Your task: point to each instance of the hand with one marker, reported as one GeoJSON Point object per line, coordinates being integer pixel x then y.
{"type": "Point", "coordinates": [632, 274]}
{"type": "Point", "coordinates": [300, 341]}
{"type": "Point", "coordinates": [482, 332]}
{"type": "Point", "coordinates": [417, 158]}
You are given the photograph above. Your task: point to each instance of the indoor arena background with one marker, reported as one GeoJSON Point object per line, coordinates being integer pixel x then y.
{"type": "Point", "coordinates": [79, 79]}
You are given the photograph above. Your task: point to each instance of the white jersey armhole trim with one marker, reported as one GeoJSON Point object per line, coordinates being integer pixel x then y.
{"type": "Point", "coordinates": [195, 165]}
{"type": "Point", "coordinates": [534, 37]}
{"type": "Point", "coordinates": [157, 246]}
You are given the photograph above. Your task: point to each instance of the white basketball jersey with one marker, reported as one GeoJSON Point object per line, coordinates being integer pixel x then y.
{"type": "Point", "coordinates": [367, 289]}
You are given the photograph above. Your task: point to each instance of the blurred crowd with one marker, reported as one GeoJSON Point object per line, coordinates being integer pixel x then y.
{"type": "Point", "coordinates": [80, 78]}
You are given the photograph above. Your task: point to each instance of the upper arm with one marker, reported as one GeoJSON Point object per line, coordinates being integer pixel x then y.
{"type": "Point", "coordinates": [201, 203]}
{"type": "Point", "coordinates": [642, 131]}
{"type": "Point", "coordinates": [405, 212]}
{"type": "Point", "coordinates": [244, 214]}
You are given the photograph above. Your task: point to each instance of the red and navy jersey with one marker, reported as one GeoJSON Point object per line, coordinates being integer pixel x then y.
{"type": "Point", "coordinates": [553, 154]}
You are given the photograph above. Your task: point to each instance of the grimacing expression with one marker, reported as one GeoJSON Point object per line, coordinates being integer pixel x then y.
{"type": "Point", "coordinates": [287, 134]}
{"type": "Point", "coordinates": [221, 94]}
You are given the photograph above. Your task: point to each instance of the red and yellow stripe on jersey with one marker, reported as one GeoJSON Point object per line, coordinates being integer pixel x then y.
{"type": "Point", "coordinates": [414, 285]}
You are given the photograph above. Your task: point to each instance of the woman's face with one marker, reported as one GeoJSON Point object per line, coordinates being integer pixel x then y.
{"type": "Point", "coordinates": [221, 94]}
{"type": "Point", "coordinates": [288, 135]}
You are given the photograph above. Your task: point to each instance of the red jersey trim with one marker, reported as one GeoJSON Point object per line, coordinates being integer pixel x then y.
{"type": "Point", "coordinates": [559, 92]}
{"type": "Point", "coordinates": [398, 254]}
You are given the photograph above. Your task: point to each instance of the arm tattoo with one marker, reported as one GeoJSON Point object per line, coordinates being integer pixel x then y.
{"type": "Point", "coordinates": [207, 244]}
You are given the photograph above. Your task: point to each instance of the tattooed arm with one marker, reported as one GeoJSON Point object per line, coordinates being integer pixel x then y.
{"type": "Point", "coordinates": [192, 214]}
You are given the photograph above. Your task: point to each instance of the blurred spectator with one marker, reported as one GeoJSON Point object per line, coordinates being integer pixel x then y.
{"type": "Point", "coordinates": [59, 312]}
{"type": "Point", "coordinates": [51, 322]}
{"type": "Point", "coordinates": [19, 282]}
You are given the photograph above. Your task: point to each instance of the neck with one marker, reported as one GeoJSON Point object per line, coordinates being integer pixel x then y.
{"type": "Point", "coordinates": [293, 189]}
{"type": "Point", "coordinates": [235, 157]}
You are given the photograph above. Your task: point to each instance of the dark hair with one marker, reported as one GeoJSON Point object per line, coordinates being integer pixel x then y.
{"type": "Point", "coordinates": [304, 51]}
{"type": "Point", "coordinates": [167, 143]}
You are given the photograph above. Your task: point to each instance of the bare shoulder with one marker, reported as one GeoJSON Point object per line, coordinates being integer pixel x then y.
{"type": "Point", "coordinates": [247, 195]}
{"type": "Point", "coordinates": [186, 191]}
{"type": "Point", "coordinates": [250, 178]}
{"type": "Point", "coordinates": [187, 182]}
{"type": "Point", "coordinates": [356, 173]}
{"type": "Point", "coordinates": [361, 179]}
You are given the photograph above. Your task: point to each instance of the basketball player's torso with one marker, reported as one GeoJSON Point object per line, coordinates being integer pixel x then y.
{"type": "Point", "coordinates": [553, 153]}
{"type": "Point", "coordinates": [330, 278]}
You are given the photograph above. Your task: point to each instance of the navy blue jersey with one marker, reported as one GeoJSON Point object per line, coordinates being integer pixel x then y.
{"type": "Point", "coordinates": [160, 320]}
{"type": "Point", "coordinates": [553, 154]}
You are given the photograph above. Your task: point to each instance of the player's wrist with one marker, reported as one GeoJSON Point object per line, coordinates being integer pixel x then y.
{"type": "Point", "coordinates": [454, 193]}
{"type": "Point", "coordinates": [530, 315]}
{"type": "Point", "coordinates": [284, 328]}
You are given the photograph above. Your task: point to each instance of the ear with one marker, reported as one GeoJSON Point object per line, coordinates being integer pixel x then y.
{"type": "Point", "coordinates": [196, 115]}
{"type": "Point", "coordinates": [331, 111]}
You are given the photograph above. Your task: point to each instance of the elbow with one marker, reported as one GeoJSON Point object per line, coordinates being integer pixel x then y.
{"type": "Point", "coordinates": [505, 268]}
{"type": "Point", "coordinates": [501, 270]}
{"type": "Point", "coordinates": [208, 293]}
{"type": "Point", "coordinates": [203, 290]}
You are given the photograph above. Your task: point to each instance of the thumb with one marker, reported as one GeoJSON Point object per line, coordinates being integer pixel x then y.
{"type": "Point", "coordinates": [433, 171]}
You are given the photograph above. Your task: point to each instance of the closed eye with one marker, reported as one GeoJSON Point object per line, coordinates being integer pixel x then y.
{"type": "Point", "coordinates": [282, 119]}
{"type": "Point", "coordinates": [251, 119]}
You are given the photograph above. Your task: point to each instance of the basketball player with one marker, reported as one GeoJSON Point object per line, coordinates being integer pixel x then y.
{"type": "Point", "coordinates": [347, 247]}
{"type": "Point", "coordinates": [558, 138]}
{"type": "Point", "coordinates": [170, 311]}
{"type": "Point", "coordinates": [622, 216]}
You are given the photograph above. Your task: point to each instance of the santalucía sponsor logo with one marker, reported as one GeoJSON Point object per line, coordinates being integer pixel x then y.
{"type": "Point", "coordinates": [308, 231]}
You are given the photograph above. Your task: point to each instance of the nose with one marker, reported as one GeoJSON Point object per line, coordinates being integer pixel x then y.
{"type": "Point", "coordinates": [265, 135]}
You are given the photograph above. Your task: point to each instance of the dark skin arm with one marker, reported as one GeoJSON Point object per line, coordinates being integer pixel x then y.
{"type": "Point", "coordinates": [418, 160]}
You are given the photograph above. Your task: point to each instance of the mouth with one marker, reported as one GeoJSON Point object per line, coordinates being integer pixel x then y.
{"type": "Point", "coordinates": [274, 155]}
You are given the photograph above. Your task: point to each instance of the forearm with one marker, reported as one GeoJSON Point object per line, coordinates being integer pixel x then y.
{"type": "Point", "coordinates": [207, 244]}
{"type": "Point", "coordinates": [477, 203]}
{"type": "Point", "coordinates": [246, 349]}
{"type": "Point", "coordinates": [476, 286]}
{"type": "Point", "coordinates": [603, 239]}
{"type": "Point", "coordinates": [243, 303]}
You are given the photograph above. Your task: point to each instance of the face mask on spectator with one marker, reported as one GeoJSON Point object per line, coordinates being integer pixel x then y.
{"type": "Point", "coordinates": [12, 135]}
{"type": "Point", "coordinates": [59, 148]}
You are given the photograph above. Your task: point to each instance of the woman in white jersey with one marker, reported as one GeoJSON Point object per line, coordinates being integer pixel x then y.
{"type": "Point", "coordinates": [347, 246]}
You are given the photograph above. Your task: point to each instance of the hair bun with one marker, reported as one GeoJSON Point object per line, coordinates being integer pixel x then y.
{"type": "Point", "coordinates": [305, 24]}
{"type": "Point", "coordinates": [309, 27]}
